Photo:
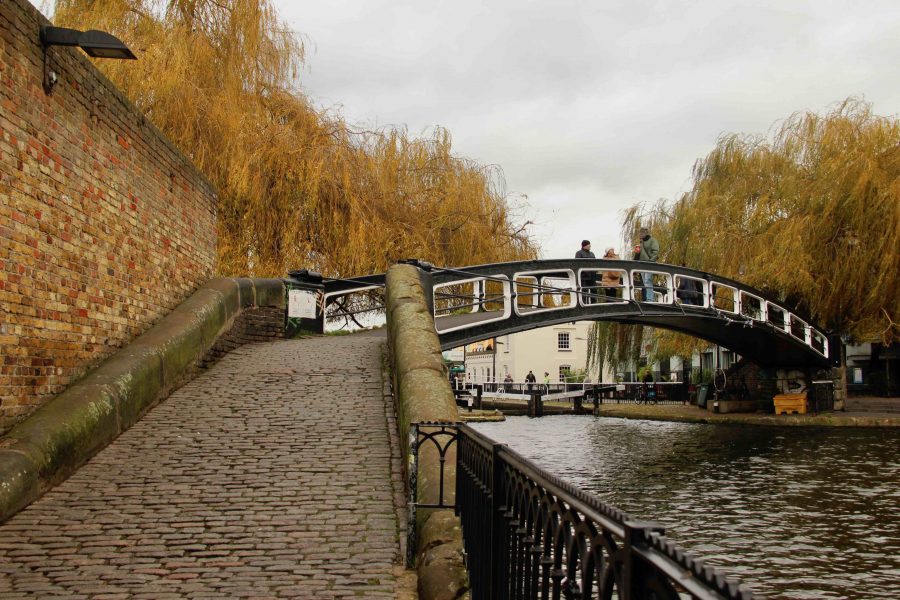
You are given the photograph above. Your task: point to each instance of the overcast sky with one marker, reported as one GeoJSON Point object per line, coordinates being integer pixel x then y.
{"type": "Point", "coordinates": [590, 107]}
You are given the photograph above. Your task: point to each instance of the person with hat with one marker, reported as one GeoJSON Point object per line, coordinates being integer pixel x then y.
{"type": "Point", "coordinates": [647, 250]}
{"type": "Point", "coordinates": [610, 280]}
{"type": "Point", "coordinates": [588, 281]}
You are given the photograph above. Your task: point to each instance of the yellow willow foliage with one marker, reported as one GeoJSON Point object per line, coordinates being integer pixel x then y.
{"type": "Point", "coordinates": [811, 216]}
{"type": "Point", "coordinates": [297, 186]}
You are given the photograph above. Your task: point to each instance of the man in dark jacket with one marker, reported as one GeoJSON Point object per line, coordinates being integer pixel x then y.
{"type": "Point", "coordinates": [530, 379]}
{"type": "Point", "coordinates": [588, 280]}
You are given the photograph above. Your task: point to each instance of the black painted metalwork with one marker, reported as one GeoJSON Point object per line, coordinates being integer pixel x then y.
{"type": "Point", "coordinates": [479, 302]}
{"type": "Point", "coordinates": [528, 534]}
{"type": "Point", "coordinates": [440, 437]}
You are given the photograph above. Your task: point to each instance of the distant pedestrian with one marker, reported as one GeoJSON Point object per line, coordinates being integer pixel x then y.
{"type": "Point", "coordinates": [507, 383]}
{"type": "Point", "coordinates": [689, 291]}
{"type": "Point", "coordinates": [546, 382]}
{"type": "Point", "coordinates": [585, 251]}
{"type": "Point", "coordinates": [611, 280]}
{"type": "Point", "coordinates": [529, 380]}
{"type": "Point", "coordinates": [588, 279]}
{"type": "Point", "coordinates": [647, 250]}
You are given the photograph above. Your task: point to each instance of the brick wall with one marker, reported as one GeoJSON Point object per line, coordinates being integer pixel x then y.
{"type": "Point", "coordinates": [260, 324]}
{"type": "Point", "coordinates": [104, 225]}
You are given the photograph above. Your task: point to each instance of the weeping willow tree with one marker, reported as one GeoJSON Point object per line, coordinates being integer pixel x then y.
{"type": "Point", "coordinates": [298, 187]}
{"type": "Point", "coordinates": [811, 215]}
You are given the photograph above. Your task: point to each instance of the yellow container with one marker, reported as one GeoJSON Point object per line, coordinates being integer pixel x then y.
{"type": "Point", "coordinates": [790, 404]}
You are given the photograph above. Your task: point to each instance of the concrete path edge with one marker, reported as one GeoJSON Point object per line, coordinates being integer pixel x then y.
{"type": "Point", "coordinates": [49, 445]}
{"type": "Point", "coordinates": [423, 393]}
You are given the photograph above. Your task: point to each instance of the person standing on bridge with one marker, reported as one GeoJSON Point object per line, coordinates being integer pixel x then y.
{"type": "Point", "coordinates": [610, 280]}
{"type": "Point", "coordinates": [529, 380]}
{"type": "Point", "coordinates": [588, 283]}
{"type": "Point", "coordinates": [647, 250]}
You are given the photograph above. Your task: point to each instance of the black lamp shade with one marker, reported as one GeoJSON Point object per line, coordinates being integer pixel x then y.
{"type": "Point", "coordinates": [98, 44]}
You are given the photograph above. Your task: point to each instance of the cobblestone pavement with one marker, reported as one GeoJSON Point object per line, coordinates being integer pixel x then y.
{"type": "Point", "coordinates": [268, 476]}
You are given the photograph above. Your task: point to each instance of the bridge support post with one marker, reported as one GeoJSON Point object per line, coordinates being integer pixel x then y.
{"type": "Point", "coordinates": [536, 405]}
{"type": "Point", "coordinates": [577, 403]}
{"type": "Point", "coordinates": [479, 390]}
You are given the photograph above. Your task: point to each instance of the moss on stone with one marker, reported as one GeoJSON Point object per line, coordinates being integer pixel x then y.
{"type": "Point", "coordinates": [19, 481]}
{"type": "Point", "coordinates": [230, 294]}
{"type": "Point", "coordinates": [65, 432]}
{"type": "Point", "coordinates": [269, 292]}
{"type": "Point", "coordinates": [423, 394]}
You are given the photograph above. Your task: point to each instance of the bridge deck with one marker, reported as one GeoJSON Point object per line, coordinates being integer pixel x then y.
{"type": "Point", "coordinates": [264, 477]}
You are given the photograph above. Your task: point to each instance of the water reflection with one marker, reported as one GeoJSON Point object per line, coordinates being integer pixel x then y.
{"type": "Point", "coordinates": [798, 513]}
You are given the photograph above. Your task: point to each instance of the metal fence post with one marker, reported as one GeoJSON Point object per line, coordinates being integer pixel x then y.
{"type": "Point", "coordinates": [635, 536]}
{"type": "Point", "coordinates": [413, 477]}
{"type": "Point", "coordinates": [495, 581]}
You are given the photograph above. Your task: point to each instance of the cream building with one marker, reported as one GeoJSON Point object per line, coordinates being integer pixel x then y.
{"type": "Point", "coordinates": [555, 349]}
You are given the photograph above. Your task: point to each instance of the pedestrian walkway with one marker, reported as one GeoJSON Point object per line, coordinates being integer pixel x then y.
{"type": "Point", "coordinates": [271, 475]}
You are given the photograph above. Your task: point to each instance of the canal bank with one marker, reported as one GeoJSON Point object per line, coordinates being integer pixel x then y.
{"type": "Point", "coordinates": [687, 413]}
{"type": "Point", "coordinates": [496, 410]}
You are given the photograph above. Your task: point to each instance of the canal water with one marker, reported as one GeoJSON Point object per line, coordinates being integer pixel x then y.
{"type": "Point", "coordinates": [794, 512]}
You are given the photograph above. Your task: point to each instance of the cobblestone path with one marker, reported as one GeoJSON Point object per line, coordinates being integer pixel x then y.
{"type": "Point", "coordinates": [269, 476]}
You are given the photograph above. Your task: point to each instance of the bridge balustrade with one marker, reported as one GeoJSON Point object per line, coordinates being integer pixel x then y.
{"type": "Point", "coordinates": [752, 306]}
{"type": "Point", "coordinates": [692, 291]}
{"type": "Point", "coordinates": [484, 301]}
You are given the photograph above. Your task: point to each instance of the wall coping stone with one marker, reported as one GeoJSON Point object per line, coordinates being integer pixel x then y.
{"type": "Point", "coordinates": [49, 445]}
{"type": "Point", "coordinates": [423, 393]}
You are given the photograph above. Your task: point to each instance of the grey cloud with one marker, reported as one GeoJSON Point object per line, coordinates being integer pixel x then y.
{"type": "Point", "coordinates": [591, 106]}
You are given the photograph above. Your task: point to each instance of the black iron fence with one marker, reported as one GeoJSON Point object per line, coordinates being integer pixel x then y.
{"type": "Point", "coordinates": [664, 392]}
{"type": "Point", "coordinates": [527, 534]}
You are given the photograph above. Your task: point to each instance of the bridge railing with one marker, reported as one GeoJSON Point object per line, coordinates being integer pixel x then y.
{"type": "Point", "coordinates": [531, 290]}
{"type": "Point", "coordinates": [658, 392]}
{"type": "Point", "coordinates": [576, 288]}
{"type": "Point", "coordinates": [528, 534]}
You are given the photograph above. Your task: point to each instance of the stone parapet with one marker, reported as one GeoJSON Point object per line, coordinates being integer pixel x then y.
{"type": "Point", "coordinates": [45, 448]}
{"type": "Point", "coordinates": [423, 393]}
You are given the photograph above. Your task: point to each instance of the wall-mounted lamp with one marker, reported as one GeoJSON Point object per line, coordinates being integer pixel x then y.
{"type": "Point", "coordinates": [97, 44]}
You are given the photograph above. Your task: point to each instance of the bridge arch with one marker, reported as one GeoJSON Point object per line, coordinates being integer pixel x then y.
{"type": "Point", "coordinates": [483, 301]}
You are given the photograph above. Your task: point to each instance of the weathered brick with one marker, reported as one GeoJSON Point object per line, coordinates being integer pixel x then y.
{"type": "Point", "coordinates": [105, 226]}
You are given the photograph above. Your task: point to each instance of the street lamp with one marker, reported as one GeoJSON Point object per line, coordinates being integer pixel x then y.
{"type": "Point", "coordinates": [97, 44]}
{"type": "Point", "coordinates": [494, 367]}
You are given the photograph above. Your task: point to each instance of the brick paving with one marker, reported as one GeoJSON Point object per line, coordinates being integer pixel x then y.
{"type": "Point", "coordinates": [271, 475]}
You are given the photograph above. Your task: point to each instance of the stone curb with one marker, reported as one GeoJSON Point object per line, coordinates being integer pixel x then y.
{"type": "Point", "coordinates": [423, 393]}
{"type": "Point", "coordinates": [49, 445]}
{"type": "Point", "coordinates": [827, 419]}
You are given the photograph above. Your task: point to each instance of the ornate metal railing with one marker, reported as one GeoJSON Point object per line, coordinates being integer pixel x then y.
{"type": "Point", "coordinates": [528, 534]}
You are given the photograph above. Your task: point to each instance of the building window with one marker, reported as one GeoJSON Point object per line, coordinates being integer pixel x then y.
{"type": "Point", "coordinates": [564, 371]}
{"type": "Point", "coordinates": [562, 341]}
{"type": "Point", "coordinates": [728, 358]}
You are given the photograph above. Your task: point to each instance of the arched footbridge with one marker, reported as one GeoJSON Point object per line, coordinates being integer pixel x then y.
{"type": "Point", "coordinates": [479, 302]}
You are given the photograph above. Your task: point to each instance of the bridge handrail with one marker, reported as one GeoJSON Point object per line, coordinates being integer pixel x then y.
{"type": "Point", "coordinates": [526, 532]}
{"type": "Point", "coordinates": [580, 296]}
{"type": "Point", "coordinates": [585, 295]}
